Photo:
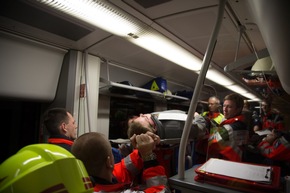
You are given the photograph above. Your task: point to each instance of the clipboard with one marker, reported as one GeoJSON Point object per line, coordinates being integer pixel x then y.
{"type": "Point", "coordinates": [245, 185]}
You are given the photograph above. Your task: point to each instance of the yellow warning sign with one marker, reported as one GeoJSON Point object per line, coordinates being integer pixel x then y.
{"type": "Point", "coordinates": [154, 86]}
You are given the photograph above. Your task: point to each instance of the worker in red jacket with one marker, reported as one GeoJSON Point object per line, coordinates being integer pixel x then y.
{"type": "Point", "coordinates": [61, 127]}
{"type": "Point", "coordinates": [94, 150]}
{"type": "Point", "coordinates": [276, 146]}
{"type": "Point", "coordinates": [270, 119]}
{"type": "Point", "coordinates": [226, 139]}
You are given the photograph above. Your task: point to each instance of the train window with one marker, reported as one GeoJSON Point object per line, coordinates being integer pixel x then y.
{"type": "Point", "coordinates": [174, 106]}
{"type": "Point", "coordinates": [121, 109]}
{"type": "Point", "coordinates": [200, 108]}
{"type": "Point", "coordinates": [20, 123]}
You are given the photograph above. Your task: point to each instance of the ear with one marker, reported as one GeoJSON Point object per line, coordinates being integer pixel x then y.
{"type": "Point", "coordinates": [110, 162]}
{"type": "Point", "coordinates": [63, 128]}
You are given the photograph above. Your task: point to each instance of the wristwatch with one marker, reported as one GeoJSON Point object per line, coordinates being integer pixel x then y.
{"type": "Point", "coordinates": [149, 157]}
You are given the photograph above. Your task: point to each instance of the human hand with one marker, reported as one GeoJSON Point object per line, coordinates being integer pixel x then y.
{"type": "Point", "coordinates": [270, 138]}
{"type": "Point", "coordinates": [133, 141]}
{"type": "Point", "coordinates": [256, 128]}
{"type": "Point", "coordinates": [145, 144]}
{"type": "Point", "coordinates": [155, 137]}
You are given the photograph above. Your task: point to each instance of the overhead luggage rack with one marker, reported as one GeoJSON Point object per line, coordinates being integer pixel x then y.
{"type": "Point", "coordinates": [105, 86]}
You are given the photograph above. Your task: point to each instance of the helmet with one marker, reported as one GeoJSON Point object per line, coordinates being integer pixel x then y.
{"type": "Point", "coordinates": [44, 168]}
{"type": "Point", "coordinates": [263, 64]}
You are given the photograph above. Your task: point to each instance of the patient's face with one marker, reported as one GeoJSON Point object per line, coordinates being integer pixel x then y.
{"type": "Point", "coordinates": [131, 119]}
{"type": "Point", "coordinates": [143, 119]}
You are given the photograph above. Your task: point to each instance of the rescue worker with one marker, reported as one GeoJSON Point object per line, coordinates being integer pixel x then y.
{"type": "Point", "coordinates": [226, 139]}
{"type": "Point", "coordinates": [249, 117]}
{"type": "Point", "coordinates": [270, 119]}
{"type": "Point", "coordinates": [276, 146]}
{"type": "Point", "coordinates": [44, 168]}
{"type": "Point", "coordinates": [95, 152]}
{"type": "Point", "coordinates": [61, 127]}
{"type": "Point", "coordinates": [213, 115]}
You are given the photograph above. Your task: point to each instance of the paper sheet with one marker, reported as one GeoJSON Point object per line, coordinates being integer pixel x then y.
{"type": "Point", "coordinates": [263, 132]}
{"type": "Point", "coordinates": [238, 170]}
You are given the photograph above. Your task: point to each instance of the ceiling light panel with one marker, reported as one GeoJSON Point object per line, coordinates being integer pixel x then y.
{"type": "Point", "coordinates": [99, 14]}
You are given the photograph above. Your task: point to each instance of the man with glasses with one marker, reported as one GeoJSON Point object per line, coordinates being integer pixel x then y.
{"type": "Point", "coordinates": [168, 125]}
{"type": "Point", "coordinates": [163, 123]}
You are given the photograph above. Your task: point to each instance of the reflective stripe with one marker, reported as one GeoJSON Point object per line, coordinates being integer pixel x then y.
{"type": "Point", "coordinates": [217, 117]}
{"type": "Point", "coordinates": [59, 141]}
{"type": "Point", "coordinates": [156, 181]}
{"type": "Point", "coordinates": [238, 137]}
{"type": "Point", "coordinates": [280, 150]}
{"type": "Point", "coordinates": [227, 140]}
{"type": "Point", "coordinates": [284, 142]}
{"type": "Point", "coordinates": [130, 166]}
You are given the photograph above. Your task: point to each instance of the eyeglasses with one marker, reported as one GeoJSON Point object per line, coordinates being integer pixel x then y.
{"type": "Point", "coordinates": [148, 120]}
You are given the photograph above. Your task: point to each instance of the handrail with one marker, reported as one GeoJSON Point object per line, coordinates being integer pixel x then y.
{"type": "Point", "coordinates": [198, 87]}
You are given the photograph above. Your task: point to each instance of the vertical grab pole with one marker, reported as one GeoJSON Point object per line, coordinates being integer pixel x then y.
{"type": "Point", "coordinates": [198, 87]}
{"type": "Point", "coordinates": [87, 88]}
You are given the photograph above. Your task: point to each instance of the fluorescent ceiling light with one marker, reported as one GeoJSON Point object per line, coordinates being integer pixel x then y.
{"type": "Point", "coordinates": [164, 47]}
{"type": "Point", "coordinates": [255, 100]}
{"type": "Point", "coordinates": [250, 96]}
{"type": "Point", "coordinates": [110, 18]}
{"type": "Point", "coordinates": [97, 13]}
{"type": "Point", "coordinates": [237, 89]}
{"type": "Point", "coordinates": [218, 77]}
{"type": "Point", "coordinates": [240, 90]}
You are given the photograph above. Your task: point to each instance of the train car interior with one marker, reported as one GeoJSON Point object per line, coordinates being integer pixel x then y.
{"type": "Point", "coordinates": [97, 57]}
